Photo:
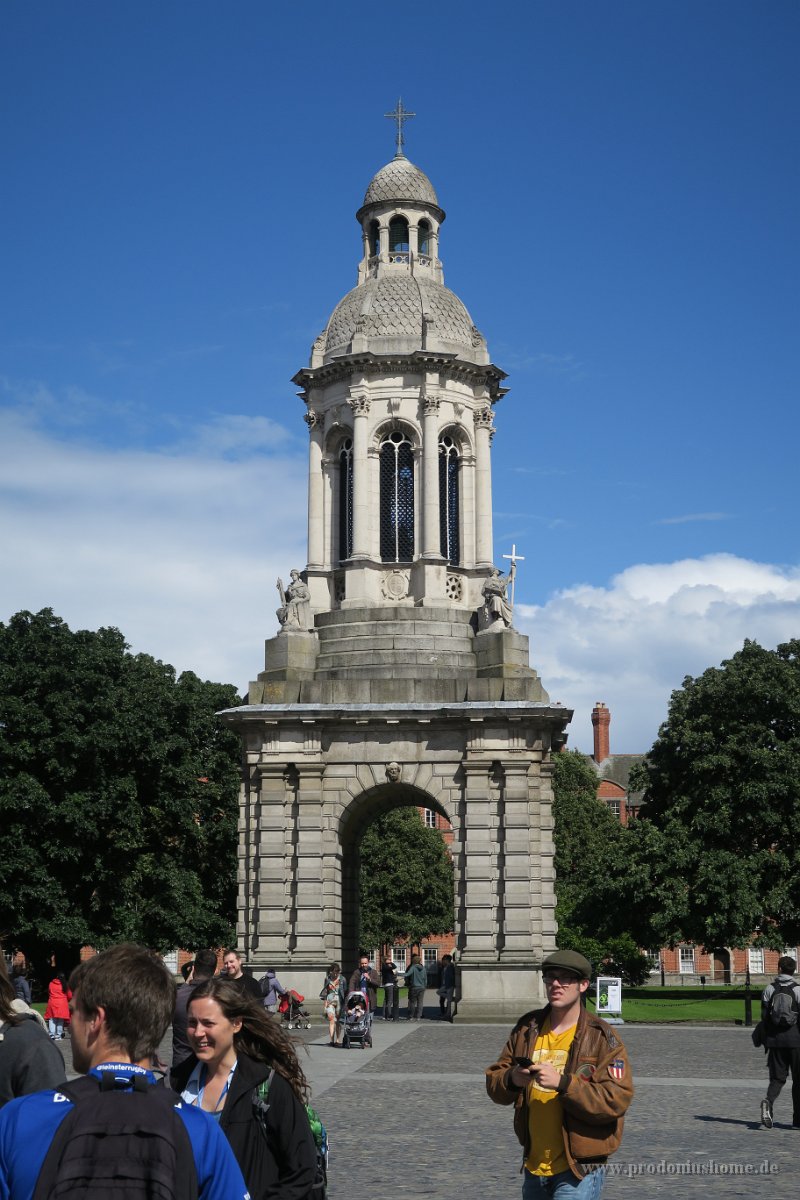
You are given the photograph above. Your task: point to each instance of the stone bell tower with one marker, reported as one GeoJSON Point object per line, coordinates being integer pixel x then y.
{"type": "Point", "coordinates": [397, 677]}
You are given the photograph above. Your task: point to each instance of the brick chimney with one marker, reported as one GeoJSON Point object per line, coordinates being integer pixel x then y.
{"type": "Point", "coordinates": [601, 719]}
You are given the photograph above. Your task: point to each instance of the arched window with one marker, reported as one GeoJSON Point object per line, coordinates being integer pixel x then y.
{"type": "Point", "coordinates": [374, 236]}
{"type": "Point", "coordinates": [424, 237]}
{"type": "Point", "coordinates": [450, 545]}
{"type": "Point", "coordinates": [346, 500]}
{"type": "Point", "coordinates": [397, 499]}
{"type": "Point", "coordinates": [398, 235]}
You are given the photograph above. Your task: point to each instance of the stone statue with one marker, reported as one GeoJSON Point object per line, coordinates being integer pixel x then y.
{"type": "Point", "coordinates": [294, 614]}
{"type": "Point", "coordinates": [393, 772]}
{"type": "Point", "coordinates": [496, 612]}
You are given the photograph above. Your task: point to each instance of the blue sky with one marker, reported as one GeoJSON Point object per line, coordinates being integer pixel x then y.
{"type": "Point", "coordinates": [622, 186]}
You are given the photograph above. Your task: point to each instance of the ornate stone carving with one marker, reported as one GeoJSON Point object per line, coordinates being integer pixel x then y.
{"type": "Point", "coordinates": [483, 417]}
{"type": "Point", "coordinates": [311, 419]}
{"type": "Point", "coordinates": [496, 612]}
{"type": "Point", "coordinates": [394, 772]}
{"type": "Point", "coordinates": [360, 406]}
{"type": "Point", "coordinates": [454, 587]}
{"type": "Point", "coordinates": [294, 614]}
{"type": "Point", "coordinates": [430, 406]}
{"type": "Point", "coordinates": [477, 337]}
{"type": "Point", "coordinates": [395, 584]}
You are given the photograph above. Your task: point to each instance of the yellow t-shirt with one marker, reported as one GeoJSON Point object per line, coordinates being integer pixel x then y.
{"type": "Point", "coordinates": [545, 1115]}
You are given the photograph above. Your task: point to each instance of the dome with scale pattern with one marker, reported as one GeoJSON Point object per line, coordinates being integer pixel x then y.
{"type": "Point", "coordinates": [389, 312]}
{"type": "Point", "coordinates": [400, 180]}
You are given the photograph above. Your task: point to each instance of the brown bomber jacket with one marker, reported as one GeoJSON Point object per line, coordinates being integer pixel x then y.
{"type": "Point", "coordinates": [593, 1096]}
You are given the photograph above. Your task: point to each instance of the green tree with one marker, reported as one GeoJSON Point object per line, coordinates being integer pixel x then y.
{"type": "Point", "coordinates": [118, 793]}
{"type": "Point", "coordinates": [592, 906]}
{"type": "Point", "coordinates": [406, 881]}
{"type": "Point", "coordinates": [718, 840]}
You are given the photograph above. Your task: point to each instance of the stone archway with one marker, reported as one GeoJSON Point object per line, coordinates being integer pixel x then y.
{"type": "Point", "coordinates": [356, 819]}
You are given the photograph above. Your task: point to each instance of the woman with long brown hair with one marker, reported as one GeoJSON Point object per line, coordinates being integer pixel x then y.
{"type": "Point", "coordinates": [237, 1046]}
{"type": "Point", "coordinates": [29, 1062]}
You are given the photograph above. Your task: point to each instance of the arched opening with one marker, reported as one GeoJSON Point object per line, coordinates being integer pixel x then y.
{"type": "Point", "coordinates": [424, 237]}
{"type": "Point", "coordinates": [374, 237]}
{"type": "Point", "coordinates": [397, 498]}
{"type": "Point", "coordinates": [390, 842]}
{"type": "Point", "coordinates": [398, 235]}
{"type": "Point", "coordinates": [449, 499]}
{"type": "Point", "coordinates": [345, 500]}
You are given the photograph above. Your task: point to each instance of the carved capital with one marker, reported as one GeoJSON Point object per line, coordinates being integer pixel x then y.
{"type": "Point", "coordinates": [430, 406]}
{"type": "Point", "coordinates": [360, 406]}
{"type": "Point", "coordinates": [483, 417]}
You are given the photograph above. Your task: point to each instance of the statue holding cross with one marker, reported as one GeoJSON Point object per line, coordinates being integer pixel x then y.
{"type": "Point", "coordinates": [497, 610]}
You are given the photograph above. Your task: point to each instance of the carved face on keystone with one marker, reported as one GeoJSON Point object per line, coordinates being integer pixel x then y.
{"type": "Point", "coordinates": [393, 772]}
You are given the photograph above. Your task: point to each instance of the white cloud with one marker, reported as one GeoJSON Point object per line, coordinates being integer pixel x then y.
{"type": "Point", "coordinates": [632, 642]}
{"type": "Point", "coordinates": [178, 549]}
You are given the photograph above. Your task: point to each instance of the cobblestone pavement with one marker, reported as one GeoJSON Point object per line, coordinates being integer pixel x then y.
{"type": "Point", "coordinates": [411, 1118]}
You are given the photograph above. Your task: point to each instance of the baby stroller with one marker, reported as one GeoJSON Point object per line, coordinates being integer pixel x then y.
{"type": "Point", "coordinates": [357, 1021]}
{"type": "Point", "coordinates": [292, 1012]}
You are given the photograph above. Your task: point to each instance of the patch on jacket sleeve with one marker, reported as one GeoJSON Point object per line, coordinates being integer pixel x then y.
{"type": "Point", "coordinates": [586, 1070]}
{"type": "Point", "coordinates": [616, 1068]}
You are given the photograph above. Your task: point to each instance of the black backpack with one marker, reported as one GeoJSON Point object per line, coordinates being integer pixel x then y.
{"type": "Point", "coordinates": [126, 1141]}
{"type": "Point", "coordinates": [783, 1006]}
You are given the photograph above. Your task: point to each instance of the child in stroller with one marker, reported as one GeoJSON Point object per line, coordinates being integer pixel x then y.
{"type": "Point", "coordinates": [357, 1021]}
{"type": "Point", "coordinates": [292, 1012]}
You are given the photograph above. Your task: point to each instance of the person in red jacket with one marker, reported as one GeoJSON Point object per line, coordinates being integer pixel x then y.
{"type": "Point", "coordinates": [568, 1077]}
{"type": "Point", "coordinates": [57, 1012]}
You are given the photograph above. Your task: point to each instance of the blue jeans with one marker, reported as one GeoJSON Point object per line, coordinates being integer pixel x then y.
{"type": "Point", "coordinates": [564, 1186]}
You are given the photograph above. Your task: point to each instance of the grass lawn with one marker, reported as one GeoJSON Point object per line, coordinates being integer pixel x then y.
{"type": "Point", "coordinates": [654, 1004]}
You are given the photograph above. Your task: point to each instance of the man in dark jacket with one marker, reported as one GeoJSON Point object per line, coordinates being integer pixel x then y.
{"type": "Point", "coordinates": [567, 1075]}
{"type": "Point", "coordinates": [205, 966]}
{"type": "Point", "coordinates": [782, 1039]}
{"type": "Point", "coordinates": [367, 980]}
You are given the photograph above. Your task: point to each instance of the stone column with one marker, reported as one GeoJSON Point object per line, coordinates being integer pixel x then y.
{"type": "Point", "coordinates": [483, 486]}
{"type": "Point", "coordinates": [431, 541]}
{"type": "Point", "coordinates": [309, 942]}
{"type": "Point", "coordinates": [479, 840]}
{"type": "Point", "coordinates": [316, 532]}
{"type": "Point", "coordinates": [360, 406]}
{"type": "Point", "coordinates": [272, 919]}
{"type": "Point", "coordinates": [516, 882]}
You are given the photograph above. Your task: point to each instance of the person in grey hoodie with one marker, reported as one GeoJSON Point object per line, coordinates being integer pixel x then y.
{"type": "Point", "coordinates": [417, 979]}
{"type": "Point", "coordinates": [29, 1061]}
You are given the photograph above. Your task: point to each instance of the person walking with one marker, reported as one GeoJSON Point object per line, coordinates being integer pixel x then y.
{"type": "Point", "coordinates": [235, 972]}
{"type": "Point", "coordinates": [332, 997]}
{"type": "Point", "coordinates": [780, 1006]}
{"type": "Point", "coordinates": [271, 990]}
{"type": "Point", "coordinates": [567, 1075]}
{"type": "Point", "coordinates": [239, 1052]}
{"type": "Point", "coordinates": [416, 978]}
{"type": "Point", "coordinates": [447, 988]}
{"type": "Point", "coordinates": [365, 979]}
{"type": "Point", "coordinates": [391, 990]}
{"type": "Point", "coordinates": [57, 1012]}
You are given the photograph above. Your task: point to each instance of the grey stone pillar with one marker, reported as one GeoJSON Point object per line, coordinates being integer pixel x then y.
{"type": "Point", "coordinates": [480, 876]}
{"type": "Point", "coordinates": [516, 883]}
{"type": "Point", "coordinates": [360, 406]}
{"type": "Point", "coordinates": [309, 942]}
{"type": "Point", "coordinates": [316, 530]}
{"type": "Point", "coordinates": [274, 910]}
{"type": "Point", "coordinates": [483, 487]}
{"type": "Point", "coordinates": [430, 477]}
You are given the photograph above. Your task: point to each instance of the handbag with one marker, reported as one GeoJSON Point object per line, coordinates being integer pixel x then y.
{"type": "Point", "coordinates": [757, 1036]}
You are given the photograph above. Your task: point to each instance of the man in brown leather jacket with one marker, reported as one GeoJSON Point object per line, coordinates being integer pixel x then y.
{"type": "Point", "coordinates": [568, 1077]}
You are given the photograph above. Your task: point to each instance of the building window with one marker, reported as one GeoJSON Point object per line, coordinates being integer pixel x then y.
{"type": "Point", "coordinates": [430, 958]}
{"type": "Point", "coordinates": [654, 959]}
{"type": "Point", "coordinates": [755, 961]}
{"type": "Point", "coordinates": [424, 237]}
{"type": "Point", "coordinates": [374, 236]}
{"type": "Point", "coordinates": [430, 818]}
{"type": "Point", "coordinates": [346, 500]}
{"type": "Point", "coordinates": [686, 959]}
{"type": "Point", "coordinates": [789, 952]}
{"type": "Point", "coordinates": [398, 235]}
{"type": "Point", "coordinates": [614, 807]}
{"type": "Point", "coordinates": [400, 957]}
{"type": "Point", "coordinates": [448, 500]}
{"type": "Point", "coordinates": [171, 961]}
{"type": "Point", "coordinates": [397, 499]}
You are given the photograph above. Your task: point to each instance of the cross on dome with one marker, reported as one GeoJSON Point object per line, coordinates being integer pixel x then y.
{"type": "Point", "coordinates": [399, 115]}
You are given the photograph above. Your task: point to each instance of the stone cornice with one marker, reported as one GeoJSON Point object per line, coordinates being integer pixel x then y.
{"type": "Point", "coordinates": [370, 365]}
{"type": "Point", "coordinates": [362, 714]}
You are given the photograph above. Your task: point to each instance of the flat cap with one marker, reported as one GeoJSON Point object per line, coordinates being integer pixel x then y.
{"type": "Point", "coordinates": [568, 960]}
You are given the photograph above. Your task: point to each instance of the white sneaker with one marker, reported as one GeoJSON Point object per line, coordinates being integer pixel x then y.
{"type": "Point", "coordinates": [766, 1114]}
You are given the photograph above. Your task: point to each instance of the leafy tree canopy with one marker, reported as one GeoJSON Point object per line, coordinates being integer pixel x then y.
{"type": "Point", "coordinates": [406, 881]}
{"type": "Point", "coordinates": [118, 793]}
{"type": "Point", "coordinates": [592, 892]}
{"type": "Point", "coordinates": [719, 833]}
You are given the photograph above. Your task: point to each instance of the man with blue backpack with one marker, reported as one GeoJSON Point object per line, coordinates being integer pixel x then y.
{"type": "Point", "coordinates": [780, 1007]}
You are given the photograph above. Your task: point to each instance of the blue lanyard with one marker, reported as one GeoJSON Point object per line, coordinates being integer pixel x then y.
{"type": "Point", "coordinates": [202, 1087]}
